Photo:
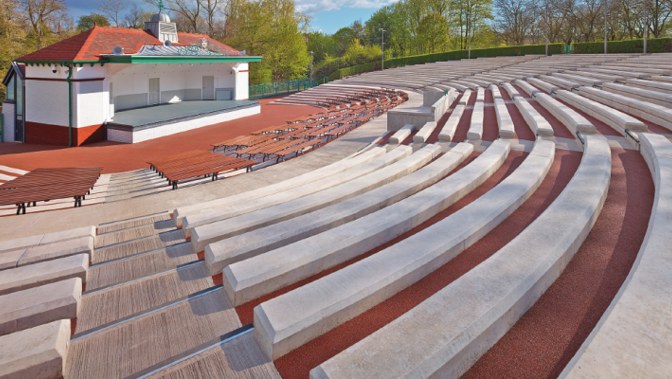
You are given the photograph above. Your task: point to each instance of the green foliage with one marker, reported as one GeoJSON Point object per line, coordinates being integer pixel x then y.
{"type": "Point", "coordinates": [87, 22]}
{"type": "Point", "coordinates": [557, 48]}
{"type": "Point", "coordinates": [356, 54]}
{"type": "Point", "coordinates": [272, 29]}
{"type": "Point", "coordinates": [654, 45]}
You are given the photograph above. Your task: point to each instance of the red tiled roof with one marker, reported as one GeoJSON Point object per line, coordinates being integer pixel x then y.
{"type": "Point", "coordinates": [89, 45]}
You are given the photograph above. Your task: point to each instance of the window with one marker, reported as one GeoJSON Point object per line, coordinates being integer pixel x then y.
{"type": "Point", "coordinates": [10, 89]}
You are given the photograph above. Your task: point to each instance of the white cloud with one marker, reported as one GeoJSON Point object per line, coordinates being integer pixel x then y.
{"type": "Point", "coordinates": [312, 7]}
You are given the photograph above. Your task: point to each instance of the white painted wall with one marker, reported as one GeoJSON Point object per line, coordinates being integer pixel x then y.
{"type": "Point", "coordinates": [47, 102]}
{"type": "Point", "coordinates": [90, 104]}
{"type": "Point", "coordinates": [242, 90]}
{"type": "Point", "coordinates": [8, 130]}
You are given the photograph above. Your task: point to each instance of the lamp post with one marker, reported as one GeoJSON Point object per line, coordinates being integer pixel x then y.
{"type": "Point", "coordinates": [605, 26]}
{"type": "Point", "coordinates": [311, 68]}
{"type": "Point", "coordinates": [547, 29]}
{"type": "Point", "coordinates": [382, 47]}
{"type": "Point", "coordinates": [646, 24]}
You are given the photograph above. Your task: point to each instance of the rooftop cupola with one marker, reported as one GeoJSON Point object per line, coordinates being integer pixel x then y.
{"type": "Point", "coordinates": [161, 27]}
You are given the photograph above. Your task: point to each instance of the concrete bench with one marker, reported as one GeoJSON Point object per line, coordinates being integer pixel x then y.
{"type": "Point", "coordinates": [580, 80]}
{"type": "Point", "coordinates": [632, 339]}
{"type": "Point", "coordinates": [356, 288]}
{"type": "Point", "coordinates": [40, 305]}
{"type": "Point", "coordinates": [638, 68]}
{"type": "Point", "coordinates": [476, 124]}
{"type": "Point", "coordinates": [228, 208]}
{"type": "Point", "coordinates": [569, 117]}
{"type": "Point", "coordinates": [537, 122]}
{"type": "Point", "coordinates": [46, 239]}
{"type": "Point", "coordinates": [495, 92]}
{"type": "Point", "coordinates": [36, 353]}
{"type": "Point", "coordinates": [655, 97]}
{"type": "Point", "coordinates": [620, 73]}
{"type": "Point", "coordinates": [238, 222]}
{"type": "Point", "coordinates": [510, 90]}
{"type": "Point", "coordinates": [506, 128]}
{"type": "Point", "coordinates": [234, 232]}
{"type": "Point", "coordinates": [250, 278]}
{"type": "Point", "coordinates": [561, 82]}
{"type": "Point", "coordinates": [39, 274]}
{"type": "Point", "coordinates": [447, 333]}
{"type": "Point", "coordinates": [465, 98]}
{"type": "Point", "coordinates": [614, 118]}
{"type": "Point", "coordinates": [448, 130]}
{"type": "Point", "coordinates": [603, 77]}
{"type": "Point", "coordinates": [527, 87]}
{"type": "Point", "coordinates": [35, 254]}
{"type": "Point", "coordinates": [655, 113]}
{"type": "Point", "coordinates": [423, 134]}
{"type": "Point", "coordinates": [480, 95]}
{"type": "Point", "coordinates": [546, 86]}
{"type": "Point", "coordinates": [650, 85]}
{"type": "Point", "coordinates": [292, 263]}
{"type": "Point", "coordinates": [662, 79]}
{"type": "Point", "coordinates": [400, 135]}
{"type": "Point", "coordinates": [312, 176]}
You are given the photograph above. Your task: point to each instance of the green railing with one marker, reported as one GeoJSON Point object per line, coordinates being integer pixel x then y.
{"type": "Point", "coordinates": [261, 91]}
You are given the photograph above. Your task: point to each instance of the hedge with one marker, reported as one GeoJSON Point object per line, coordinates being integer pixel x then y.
{"type": "Point", "coordinates": [556, 48]}
{"type": "Point", "coordinates": [656, 45]}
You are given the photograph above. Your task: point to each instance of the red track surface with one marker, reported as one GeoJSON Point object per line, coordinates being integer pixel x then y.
{"type": "Point", "coordinates": [544, 340]}
{"type": "Point", "coordinates": [118, 157]}
{"type": "Point", "coordinates": [434, 137]}
{"type": "Point", "coordinates": [298, 363]}
{"type": "Point", "coordinates": [463, 126]}
{"type": "Point", "coordinates": [488, 97]}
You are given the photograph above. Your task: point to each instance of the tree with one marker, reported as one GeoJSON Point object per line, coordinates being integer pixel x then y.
{"type": "Point", "coordinates": [136, 17]}
{"type": "Point", "coordinates": [112, 9]}
{"type": "Point", "coordinates": [433, 31]}
{"type": "Point", "coordinates": [41, 15]}
{"type": "Point", "coordinates": [514, 19]}
{"type": "Point", "coordinates": [87, 22]}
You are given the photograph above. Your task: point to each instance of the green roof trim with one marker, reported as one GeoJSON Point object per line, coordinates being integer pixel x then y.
{"type": "Point", "coordinates": [181, 59]}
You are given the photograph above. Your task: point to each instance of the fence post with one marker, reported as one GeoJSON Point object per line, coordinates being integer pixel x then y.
{"type": "Point", "coordinates": [263, 87]}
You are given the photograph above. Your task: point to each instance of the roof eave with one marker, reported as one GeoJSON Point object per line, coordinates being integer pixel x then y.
{"type": "Point", "coordinates": [180, 59]}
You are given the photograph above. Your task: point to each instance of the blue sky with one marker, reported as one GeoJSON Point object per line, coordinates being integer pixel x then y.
{"type": "Point", "coordinates": [328, 15]}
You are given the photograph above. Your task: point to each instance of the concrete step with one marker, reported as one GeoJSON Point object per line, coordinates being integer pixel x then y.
{"type": "Point", "coordinates": [138, 246]}
{"type": "Point", "coordinates": [504, 122]}
{"type": "Point", "coordinates": [476, 125]}
{"type": "Point", "coordinates": [400, 135]}
{"type": "Point", "coordinates": [569, 117]}
{"type": "Point", "coordinates": [132, 223]}
{"type": "Point", "coordinates": [448, 131]}
{"type": "Point", "coordinates": [360, 286]}
{"type": "Point", "coordinates": [537, 122]}
{"type": "Point", "coordinates": [129, 234]}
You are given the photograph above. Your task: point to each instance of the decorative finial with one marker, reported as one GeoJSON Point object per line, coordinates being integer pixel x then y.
{"type": "Point", "coordinates": [160, 6]}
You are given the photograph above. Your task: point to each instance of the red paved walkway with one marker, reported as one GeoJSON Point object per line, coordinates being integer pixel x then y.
{"type": "Point", "coordinates": [118, 157]}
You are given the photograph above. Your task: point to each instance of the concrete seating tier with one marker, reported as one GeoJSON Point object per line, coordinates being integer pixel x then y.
{"type": "Point", "coordinates": [448, 130]}
{"type": "Point", "coordinates": [47, 239]}
{"type": "Point", "coordinates": [466, 95]}
{"type": "Point", "coordinates": [510, 90]}
{"type": "Point", "coordinates": [527, 87]}
{"type": "Point", "coordinates": [495, 92]}
{"type": "Point", "coordinates": [249, 279]}
{"type": "Point", "coordinates": [203, 210]}
{"type": "Point", "coordinates": [655, 97]}
{"type": "Point", "coordinates": [569, 117]}
{"type": "Point", "coordinates": [650, 85]}
{"type": "Point", "coordinates": [537, 122]}
{"type": "Point", "coordinates": [632, 338]}
{"type": "Point", "coordinates": [463, 320]}
{"type": "Point", "coordinates": [360, 286]}
{"type": "Point", "coordinates": [218, 227]}
{"type": "Point", "coordinates": [616, 119]}
{"type": "Point", "coordinates": [228, 249]}
{"type": "Point", "coordinates": [548, 87]}
{"type": "Point", "coordinates": [289, 264]}
{"type": "Point", "coordinates": [506, 128]}
{"type": "Point", "coordinates": [423, 134]}
{"type": "Point", "coordinates": [561, 82]}
{"type": "Point", "coordinates": [621, 73]}
{"type": "Point", "coordinates": [400, 135]}
{"type": "Point", "coordinates": [40, 305]}
{"type": "Point", "coordinates": [22, 257]}
{"type": "Point", "coordinates": [580, 80]}
{"type": "Point", "coordinates": [35, 353]}
{"type": "Point", "coordinates": [38, 274]}
{"type": "Point", "coordinates": [477, 116]}
{"type": "Point", "coordinates": [655, 113]}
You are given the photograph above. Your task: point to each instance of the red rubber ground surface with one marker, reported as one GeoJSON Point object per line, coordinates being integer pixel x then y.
{"type": "Point", "coordinates": [118, 157]}
{"type": "Point", "coordinates": [520, 126]}
{"type": "Point", "coordinates": [544, 340]}
{"type": "Point", "coordinates": [463, 126]}
{"type": "Point", "coordinates": [298, 363]}
{"type": "Point", "coordinates": [490, 126]}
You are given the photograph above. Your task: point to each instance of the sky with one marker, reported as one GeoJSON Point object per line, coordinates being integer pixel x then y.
{"type": "Point", "coordinates": [327, 15]}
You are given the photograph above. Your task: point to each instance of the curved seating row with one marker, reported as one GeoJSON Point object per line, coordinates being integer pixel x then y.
{"type": "Point", "coordinates": [219, 227]}
{"type": "Point", "coordinates": [330, 301]}
{"type": "Point", "coordinates": [447, 333]}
